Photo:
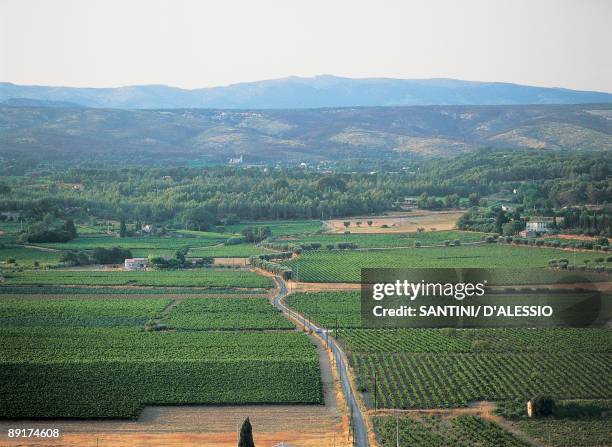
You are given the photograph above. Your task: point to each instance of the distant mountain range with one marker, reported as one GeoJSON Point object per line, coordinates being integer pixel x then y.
{"type": "Point", "coordinates": [298, 134]}
{"type": "Point", "coordinates": [296, 93]}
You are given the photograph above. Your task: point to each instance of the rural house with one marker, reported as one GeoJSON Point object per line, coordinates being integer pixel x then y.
{"type": "Point", "coordinates": [136, 263]}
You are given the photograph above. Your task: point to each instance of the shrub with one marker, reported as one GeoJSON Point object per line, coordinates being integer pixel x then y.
{"type": "Point", "coordinates": [543, 406]}
{"type": "Point", "coordinates": [256, 234]}
{"type": "Point", "coordinates": [235, 240]}
{"type": "Point", "coordinates": [115, 255]}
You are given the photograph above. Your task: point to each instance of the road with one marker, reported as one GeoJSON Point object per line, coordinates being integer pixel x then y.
{"type": "Point", "coordinates": [360, 431]}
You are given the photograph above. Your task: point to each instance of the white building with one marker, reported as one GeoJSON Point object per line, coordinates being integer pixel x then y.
{"type": "Point", "coordinates": [136, 263]}
{"type": "Point", "coordinates": [537, 226]}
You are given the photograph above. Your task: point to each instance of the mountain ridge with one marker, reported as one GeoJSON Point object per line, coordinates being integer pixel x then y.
{"type": "Point", "coordinates": [296, 92]}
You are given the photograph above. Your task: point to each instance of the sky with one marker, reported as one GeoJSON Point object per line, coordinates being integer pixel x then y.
{"type": "Point", "coordinates": [201, 43]}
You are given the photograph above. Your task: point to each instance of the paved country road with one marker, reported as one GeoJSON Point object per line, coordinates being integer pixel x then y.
{"type": "Point", "coordinates": [359, 427]}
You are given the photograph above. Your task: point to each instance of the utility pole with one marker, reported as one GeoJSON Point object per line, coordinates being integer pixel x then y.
{"type": "Point", "coordinates": [397, 430]}
{"type": "Point", "coordinates": [336, 326]}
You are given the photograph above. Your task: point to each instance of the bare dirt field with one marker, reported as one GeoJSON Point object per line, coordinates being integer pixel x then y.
{"type": "Point", "coordinates": [232, 262]}
{"type": "Point", "coordinates": [570, 237]}
{"type": "Point", "coordinates": [213, 426]}
{"type": "Point", "coordinates": [398, 222]}
{"type": "Point", "coordinates": [321, 286]}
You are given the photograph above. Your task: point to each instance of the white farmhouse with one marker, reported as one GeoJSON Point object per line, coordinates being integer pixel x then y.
{"type": "Point", "coordinates": [540, 225]}
{"type": "Point", "coordinates": [537, 226]}
{"type": "Point", "coordinates": [136, 263]}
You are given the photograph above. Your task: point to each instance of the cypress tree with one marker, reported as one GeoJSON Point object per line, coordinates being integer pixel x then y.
{"type": "Point", "coordinates": [246, 434]}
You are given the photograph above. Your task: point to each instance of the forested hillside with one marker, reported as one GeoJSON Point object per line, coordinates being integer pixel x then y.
{"type": "Point", "coordinates": [201, 137]}
{"type": "Point", "coordinates": [198, 198]}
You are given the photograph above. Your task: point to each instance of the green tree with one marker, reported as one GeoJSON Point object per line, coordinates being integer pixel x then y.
{"type": "Point", "coordinates": [500, 220]}
{"type": "Point", "coordinates": [122, 228]}
{"type": "Point", "coordinates": [513, 227]}
{"type": "Point", "coordinates": [246, 434]}
{"type": "Point", "coordinates": [181, 254]}
{"type": "Point", "coordinates": [70, 229]}
{"type": "Point", "coordinates": [474, 198]}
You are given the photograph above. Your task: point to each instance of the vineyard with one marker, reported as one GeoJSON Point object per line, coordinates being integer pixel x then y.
{"type": "Point", "coordinates": [89, 357]}
{"type": "Point", "coordinates": [280, 227]}
{"type": "Point", "coordinates": [74, 312]}
{"type": "Point", "coordinates": [114, 373]}
{"type": "Point", "coordinates": [417, 368]}
{"type": "Point", "coordinates": [390, 240]}
{"type": "Point", "coordinates": [148, 242]}
{"type": "Point", "coordinates": [227, 314]}
{"type": "Point", "coordinates": [328, 309]}
{"type": "Point", "coordinates": [513, 340]}
{"type": "Point", "coordinates": [575, 423]}
{"type": "Point", "coordinates": [68, 291]}
{"type": "Point", "coordinates": [346, 265]}
{"type": "Point", "coordinates": [434, 431]}
{"type": "Point", "coordinates": [193, 277]}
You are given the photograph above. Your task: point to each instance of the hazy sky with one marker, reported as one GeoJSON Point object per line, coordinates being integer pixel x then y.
{"type": "Point", "coordinates": [564, 43]}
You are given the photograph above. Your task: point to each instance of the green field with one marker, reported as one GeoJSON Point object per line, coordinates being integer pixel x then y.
{"type": "Point", "coordinates": [280, 227]}
{"type": "Point", "coordinates": [79, 312]}
{"type": "Point", "coordinates": [390, 240]}
{"type": "Point", "coordinates": [185, 278]}
{"type": "Point", "coordinates": [474, 341]}
{"type": "Point", "coordinates": [435, 431]}
{"type": "Point", "coordinates": [228, 251]}
{"type": "Point", "coordinates": [114, 372]}
{"type": "Point", "coordinates": [145, 242]}
{"type": "Point", "coordinates": [10, 227]}
{"type": "Point", "coordinates": [345, 265]}
{"type": "Point", "coordinates": [328, 309]}
{"type": "Point", "coordinates": [227, 314]}
{"type": "Point", "coordinates": [343, 309]}
{"type": "Point", "coordinates": [26, 256]}
{"type": "Point", "coordinates": [92, 358]}
{"type": "Point", "coordinates": [67, 292]}
{"type": "Point", "coordinates": [427, 369]}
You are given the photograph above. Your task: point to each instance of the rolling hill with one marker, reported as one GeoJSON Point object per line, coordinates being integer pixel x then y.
{"type": "Point", "coordinates": [297, 92]}
{"type": "Point", "coordinates": [299, 135]}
